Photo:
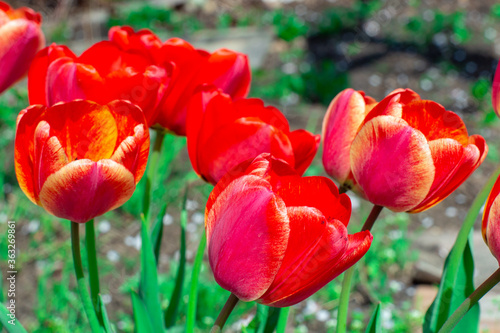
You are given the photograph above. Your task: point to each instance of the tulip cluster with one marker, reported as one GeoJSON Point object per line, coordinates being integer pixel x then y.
{"type": "Point", "coordinates": [403, 153]}
{"type": "Point", "coordinates": [274, 236]}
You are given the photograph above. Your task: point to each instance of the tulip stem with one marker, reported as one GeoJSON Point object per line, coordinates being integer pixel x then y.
{"type": "Point", "coordinates": [470, 301]}
{"type": "Point", "coordinates": [370, 221]}
{"type": "Point", "coordinates": [80, 279]}
{"type": "Point", "coordinates": [90, 246]}
{"type": "Point", "coordinates": [347, 281]}
{"type": "Point", "coordinates": [224, 314]}
{"type": "Point", "coordinates": [151, 173]}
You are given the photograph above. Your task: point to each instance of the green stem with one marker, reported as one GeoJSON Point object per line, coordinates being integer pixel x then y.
{"type": "Point", "coordinates": [463, 234]}
{"type": "Point", "coordinates": [282, 320]}
{"type": "Point", "coordinates": [90, 246]}
{"type": "Point", "coordinates": [347, 281]}
{"type": "Point", "coordinates": [193, 289]}
{"type": "Point", "coordinates": [151, 174]}
{"type": "Point", "coordinates": [472, 300]}
{"type": "Point", "coordinates": [224, 314]}
{"type": "Point", "coordinates": [80, 278]}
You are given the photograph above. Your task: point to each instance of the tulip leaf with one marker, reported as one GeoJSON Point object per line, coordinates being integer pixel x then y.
{"type": "Point", "coordinates": [107, 324]}
{"type": "Point", "coordinates": [141, 316]}
{"type": "Point", "coordinates": [148, 285]}
{"type": "Point", "coordinates": [9, 325]}
{"type": "Point", "coordinates": [193, 288]}
{"type": "Point", "coordinates": [453, 290]}
{"type": "Point", "coordinates": [171, 312]}
{"type": "Point", "coordinates": [375, 324]}
{"type": "Point", "coordinates": [157, 232]}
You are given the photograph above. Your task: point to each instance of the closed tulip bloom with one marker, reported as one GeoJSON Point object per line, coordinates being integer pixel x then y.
{"type": "Point", "coordinates": [80, 159]}
{"type": "Point", "coordinates": [123, 68]}
{"type": "Point", "coordinates": [491, 221]}
{"type": "Point", "coordinates": [226, 69]}
{"type": "Point", "coordinates": [222, 133]}
{"type": "Point", "coordinates": [20, 39]}
{"type": "Point", "coordinates": [275, 237]}
{"type": "Point", "coordinates": [409, 154]}
{"type": "Point", "coordinates": [340, 125]}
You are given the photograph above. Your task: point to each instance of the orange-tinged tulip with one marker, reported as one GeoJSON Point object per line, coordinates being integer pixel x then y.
{"type": "Point", "coordinates": [80, 159]}
{"type": "Point", "coordinates": [275, 237]}
{"type": "Point", "coordinates": [20, 39]}
{"type": "Point", "coordinates": [409, 154]}
{"type": "Point", "coordinates": [491, 221]}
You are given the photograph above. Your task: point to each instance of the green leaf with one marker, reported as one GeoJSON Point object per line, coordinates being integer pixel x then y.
{"type": "Point", "coordinates": [148, 285]}
{"type": "Point", "coordinates": [375, 324]}
{"type": "Point", "coordinates": [11, 325]}
{"type": "Point", "coordinates": [141, 316]}
{"type": "Point", "coordinates": [273, 315]}
{"type": "Point", "coordinates": [171, 312]}
{"type": "Point", "coordinates": [453, 290]}
{"type": "Point", "coordinates": [107, 324]}
{"type": "Point", "coordinates": [157, 232]}
{"type": "Point", "coordinates": [193, 291]}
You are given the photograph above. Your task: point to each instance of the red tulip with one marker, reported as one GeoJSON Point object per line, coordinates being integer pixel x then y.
{"type": "Point", "coordinates": [276, 237]}
{"type": "Point", "coordinates": [123, 68]}
{"type": "Point", "coordinates": [226, 69]}
{"type": "Point", "coordinates": [491, 221]}
{"type": "Point", "coordinates": [221, 133]}
{"type": "Point", "coordinates": [80, 159]}
{"type": "Point", "coordinates": [20, 39]}
{"type": "Point", "coordinates": [407, 154]}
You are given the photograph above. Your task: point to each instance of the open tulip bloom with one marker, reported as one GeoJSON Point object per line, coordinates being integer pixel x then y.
{"type": "Point", "coordinates": [403, 153]}
{"type": "Point", "coordinates": [20, 38]}
{"type": "Point", "coordinates": [491, 221]}
{"type": "Point", "coordinates": [80, 159]}
{"type": "Point", "coordinates": [276, 237]}
{"type": "Point", "coordinates": [223, 133]}
{"type": "Point", "coordinates": [136, 66]}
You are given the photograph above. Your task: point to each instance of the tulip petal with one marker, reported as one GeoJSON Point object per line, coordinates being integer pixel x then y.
{"type": "Point", "coordinates": [435, 122]}
{"type": "Point", "coordinates": [85, 189]}
{"type": "Point", "coordinates": [20, 39]}
{"type": "Point", "coordinates": [37, 76]}
{"type": "Point", "coordinates": [315, 274]}
{"type": "Point", "coordinates": [492, 197]}
{"type": "Point", "coordinates": [248, 138]}
{"type": "Point", "coordinates": [392, 163]}
{"type": "Point", "coordinates": [24, 154]}
{"type": "Point", "coordinates": [128, 153]}
{"type": "Point", "coordinates": [264, 166]}
{"type": "Point", "coordinates": [305, 145]}
{"type": "Point", "coordinates": [229, 71]}
{"type": "Point", "coordinates": [473, 155]}
{"type": "Point", "coordinates": [345, 114]}
{"type": "Point", "coordinates": [314, 244]}
{"type": "Point", "coordinates": [318, 192]}
{"type": "Point", "coordinates": [49, 155]}
{"type": "Point", "coordinates": [63, 82]}
{"type": "Point", "coordinates": [492, 232]}
{"type": "Point", "coordinates": [495, 92]}
{"type": "Point", "coordinates": [86, 130]}
{"type": "Point", "coordinates": [247, 231]}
